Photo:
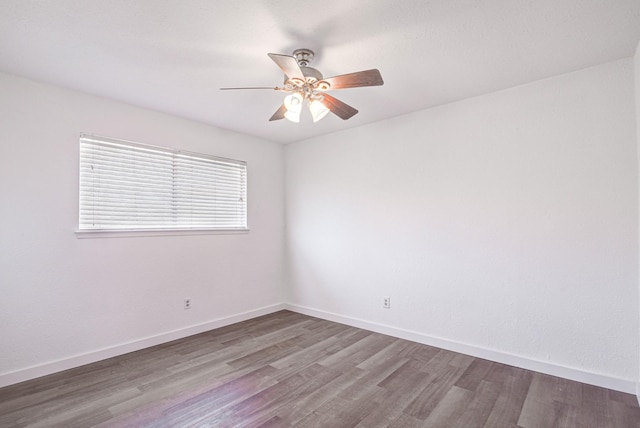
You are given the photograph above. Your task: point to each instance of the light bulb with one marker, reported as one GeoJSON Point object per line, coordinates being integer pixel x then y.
{"type": "Point", "coordinates": [318, 110]}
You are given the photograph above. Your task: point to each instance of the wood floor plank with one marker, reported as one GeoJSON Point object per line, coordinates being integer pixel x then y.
{"type": "Point", "coordinates": [346, 412]}
{"type": "Point", "coordinates": [595, 404]}
{"type": "Point", "coordinates": [539, 401]}
{"type": "Point", "coordinates": [370, 379]}
{"type": "Point", "coordinates": [302, 407]}
{"type": "Point", "coordinates": [623, 415]}
{"type": "Point", "coordinates": [447, 410]}
{"type": "Point", "coordinates": [392, 351]}
{"type": "Point", "coordinates": [402, 386]}
{"type": "Point", "coordinates": [474, 374]}
{"type": "Point", "coordinates": [479, 407]}
{"type": "Point", "coordinates": [290, 370]}
{"type": "Point", "coordinates": [513, 393]}
{"type": "Point", "coordinates": [434, 390]}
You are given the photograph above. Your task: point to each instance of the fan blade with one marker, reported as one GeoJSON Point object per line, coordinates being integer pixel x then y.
{"type": "Point", "coordinates": [279, 114]}
{"type": "Point", "coordinates": [355, 80]}
{"type": "Point", "coordinates": [275, 88]}
{"type": "Point", "coordinates": [337, 107]}
{"type": "Point", "coordinates": [288, 64]}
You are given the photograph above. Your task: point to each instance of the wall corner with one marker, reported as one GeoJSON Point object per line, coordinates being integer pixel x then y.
{"type": "Point", "coordinates": [636, 76]}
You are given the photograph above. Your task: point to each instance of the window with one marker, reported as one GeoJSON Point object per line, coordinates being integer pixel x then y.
{"type": "Point", "coordinates": [127, 186]}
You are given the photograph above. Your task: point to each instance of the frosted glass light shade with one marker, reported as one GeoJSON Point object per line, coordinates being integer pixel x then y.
{"type": "Point", "coordinates": [293, 116]}
{"type": "Point", "coordinates": [293, 102]}
{"type": "Point", "coordinates": [318, 110]}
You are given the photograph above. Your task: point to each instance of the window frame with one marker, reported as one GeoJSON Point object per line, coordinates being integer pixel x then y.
{"type": "Point", "coordinates": [161, 230]}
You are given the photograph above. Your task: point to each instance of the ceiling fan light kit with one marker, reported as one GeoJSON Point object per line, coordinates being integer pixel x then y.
{"type": "Point", "coordinates": [304, 83]}
{"type": "Point", "coordinates": [318, 110]}
{"type": "Point", "coordinates": [293, 105]}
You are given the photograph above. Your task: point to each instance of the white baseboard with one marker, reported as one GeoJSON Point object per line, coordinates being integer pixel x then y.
{"type": "Point", "coordinates": [113, 351]}
{"type": "Point", "coordinates": [604, 381]}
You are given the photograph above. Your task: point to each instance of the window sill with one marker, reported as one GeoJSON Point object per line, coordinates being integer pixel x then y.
{"type": "Point", "coordinates": [132, 233]}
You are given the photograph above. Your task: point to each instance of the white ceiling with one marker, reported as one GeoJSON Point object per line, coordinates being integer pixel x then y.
{"type": "Point", "coordinates": [173, 56]}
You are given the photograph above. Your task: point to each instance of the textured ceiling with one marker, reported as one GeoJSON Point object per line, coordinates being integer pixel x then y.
{"type": "Point", "coordinates": [173, 56]}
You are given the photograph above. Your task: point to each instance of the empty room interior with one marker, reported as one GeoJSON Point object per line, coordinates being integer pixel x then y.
{"type": "Point", "coordinates": [438, 220]}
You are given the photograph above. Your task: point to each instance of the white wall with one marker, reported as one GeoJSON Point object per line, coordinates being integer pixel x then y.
{"type": "Point", "coordinates": [506, 223]}
{"type": "Point", "coordinates": [64, 297]}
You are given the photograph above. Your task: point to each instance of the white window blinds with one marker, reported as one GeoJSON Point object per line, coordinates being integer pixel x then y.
{"type": "Point", "coordinates": [129, 186]}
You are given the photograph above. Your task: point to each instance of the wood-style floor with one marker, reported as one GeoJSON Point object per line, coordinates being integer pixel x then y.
{"type": "Point", "coordinates": [287, 369]}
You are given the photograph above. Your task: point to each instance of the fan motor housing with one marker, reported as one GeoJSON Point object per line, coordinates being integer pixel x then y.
{"type": "Point", "coordinates": [304, 57]}
{"type": "Point", "coordinates": [311, 76]}
{"type": "Point", "coordinates": [311, 73]}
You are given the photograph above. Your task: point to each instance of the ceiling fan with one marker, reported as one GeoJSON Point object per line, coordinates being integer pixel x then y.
{"type": "Point", "coordinates": [304, 83]}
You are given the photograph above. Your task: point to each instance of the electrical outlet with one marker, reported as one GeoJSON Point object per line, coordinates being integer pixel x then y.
{"type": "Point", "coordinates": [187, 303]}
{"type": "Point", "coordinates": [386, 302]}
